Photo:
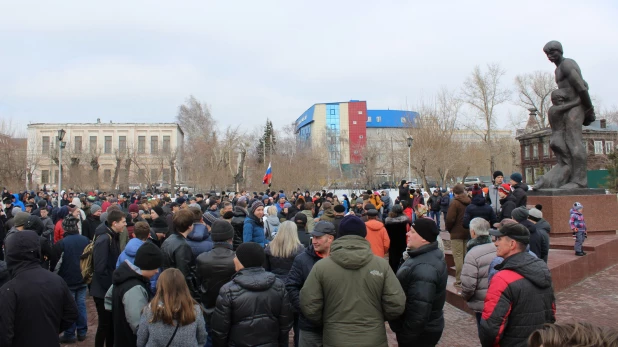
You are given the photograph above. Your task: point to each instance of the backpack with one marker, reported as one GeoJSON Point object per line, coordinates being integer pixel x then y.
{"type": "Point", "coordinates": [86, 262]}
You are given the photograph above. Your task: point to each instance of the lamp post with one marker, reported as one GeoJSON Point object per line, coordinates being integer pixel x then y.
{"type": "Point", "coordinates": [410, 140]}
{"type": "Point", "coordinates": [61, 145]}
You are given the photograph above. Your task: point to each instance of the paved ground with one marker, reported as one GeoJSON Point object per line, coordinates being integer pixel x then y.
{"type": "Point", "coordinates": [594, 300]}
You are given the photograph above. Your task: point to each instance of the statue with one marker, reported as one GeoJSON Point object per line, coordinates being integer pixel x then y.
{"type": "Point", "coordinates": [571, 109]}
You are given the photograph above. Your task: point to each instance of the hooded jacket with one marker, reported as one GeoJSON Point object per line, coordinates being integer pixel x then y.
{"type": "Point", "coordinates": [301, 267]}
{"type": "Point", "coordinates": [71, 248]}
{"type": "Point", "coordinates": [377, 237]}
{"type": "Point", "coordinates": [577, 221]}
{"type": "Point", "coordinates": [376, 201]}
{"type": "Point", "coordinates": [475, 271]}
{"type": "Point", "coordinates": [423, 278]}
{"type": "Point", "coordinates": [508, 204]}
{"type": "Point", "coordinates": [310, 220]}
{"type": "Point", "coordinates": [538, 244]}
{"type": "Point", "coordinates": [238, 222]}
{"type": "Point", "coordinates": [4, 273]}
{"type": "Point", "coordinates": [520, 193]}
{"type": "Point", "coordinates": [199, 239]}
{"type": "Point", "coordinates": [543, 227]}
{"type": "Point", "coordinates": [130, 251]}
{"type": "Point", "coordinates": [352, 320]}
{"type": "Point", "coordinates": [328, 215]}
{"type": "Point", "coordinates": [478, 208]}
{"type": "Point", "coordinates": [252, 309]}
{"type": "Point", "coordinates": [31, 316]}
{"type": "Point", "coordinates": [454, 218]}
{"type": "Point", "coordinates": [271, 226]}
{"type": "Point", "coordinates": [519, 300]}
{"type": "Point", "coordinates": [396, 228]}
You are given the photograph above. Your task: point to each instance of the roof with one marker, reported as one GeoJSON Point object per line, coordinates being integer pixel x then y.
{"type": "Point", "coordinates": [306, 118]}
{"type": "Point", "coordinates": [390, 118]}
{"type": "Point", "coordinates": [82, 125]}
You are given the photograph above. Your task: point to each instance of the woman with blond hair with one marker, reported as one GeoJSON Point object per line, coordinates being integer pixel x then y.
{"type": "Point", "coordinates": [173, 318]}
{"type": "Point", "coordinates": [282, 250]}
{"type": "Point", "coordinates": [271, 222]}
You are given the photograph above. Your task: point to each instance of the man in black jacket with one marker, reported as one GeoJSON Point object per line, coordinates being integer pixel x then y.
{"type": "Point", "coordinates": [238, 221]}
{"type": "Point", "coordinates": [478, 208]}
{"type": "Point", "coordinates": [538, 244]}
{"type": "Point", "coordinates": [176, 251]}
{"type": "Point", "coordinates": [423, 277]}
{"type": "Point", "coordinates": [434, 203]}
{"type": "Point", "coordinates": [309, 333]}
{"type": "Point", "coordinates": [521, 297]}
{"type": "Point", "coordinates": [216, 268]}
{"type": "Point", "coordinates": [36, 303]}
{"type": "Point", "coordinates": [519, 190]}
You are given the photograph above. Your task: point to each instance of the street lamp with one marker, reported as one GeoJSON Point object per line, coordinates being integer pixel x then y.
{"type": "Point", "coordinates": [410, 140]}
{"type": "Point", "coordinates": [61, 146]}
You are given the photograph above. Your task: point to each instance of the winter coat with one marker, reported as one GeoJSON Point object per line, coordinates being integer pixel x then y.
{"type": "Point", "coordinates": [475, 271]}
{"type": "Point", "coordinates": [520, 192]}
{"type": "Point", "coordinates": [105, 254]}
{"type": "Point", "coordinates": [253, 230]}
{"type": "Point", "coordinates": [310, 220]}
{"type": "Point", "coordinates": [577, 221]}
{"type": "Point", "coordinates": [396, 228]}
{"type": "Point", "coordinates": [377, 237]}
{"type": "Point", "coordinates": [376, 201]}
{"type": "Point", "coordinates": [4, 273]}
{"type": "Point", "coordinates": [178, 254]}
{"type": "Point", "coordinates": [538, 244]}
{"type": "Point", "coordinates": [386, 200]}
{"type": "Point", "coordinates": [423, 278]}
{"type": "Point", "coordinates": [301, 267]}
{"type": "Point", "coordinates": [445, 201]}
{"type": "Point", "coordinates": [494, 199]}
{"type": "Point", "coordinates": [90, 225]}
{"type": "Point", "coordinates": [454, 218]}
{"type": "Point", "coordinates": [434, 202]}
{"type": "Point", "coordinates": [252, 309]}
{"type": "Point", "coordinates": [199, 239]}
{"type": "Point", "coordinates": [31, 316]}
{"type": "Point", "coordinates": [214, 269]}
{"type": "Point", "coordinates": [49, 227]}
{"type": "Point", "coordinates": [519, 300]}
{"type": "Point", "coordinates": [58, 231]}
{"type": "Point", "coordinates": [507, 204]}
{"type": "Point", "coordinates": [346, 205]}
{"type": "Point", "coordinates": [238, 222]}
{"type": "Point", "coordinates": [71, 248]}
{"type": "Point", "coordinates": [271, 226]}
{"type": "Point", "coordinates": [278, 265]}
{"type": "Point", "coordinates": [543, 227]}
{"type": "Point", "coordinates": [129, 251]}
{"type": "Point", "coordinates": [328, 215]}
{"type": "Point", "coordinates": [404, 193]}
{"type": "Point", "coordinates": [478, 208]}
{"type": "Point", "coordinates": [352, 320]}
{"type": "Point", "coordinates": [303, 236]}
{"type": "Point", "coordinates": [158, 334]}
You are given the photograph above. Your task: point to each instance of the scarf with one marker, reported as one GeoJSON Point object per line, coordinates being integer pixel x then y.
{"type": "Point", "coordinates": [479, 240]}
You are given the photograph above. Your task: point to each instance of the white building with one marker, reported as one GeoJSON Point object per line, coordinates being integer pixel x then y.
{"type": "Point", "coordinates": [98, 154]}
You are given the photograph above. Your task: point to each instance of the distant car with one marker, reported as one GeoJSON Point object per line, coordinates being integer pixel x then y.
{"type": "Point", "coordinates": [486, 180]}
{"type": "Point", "coordinates": [472, 180]}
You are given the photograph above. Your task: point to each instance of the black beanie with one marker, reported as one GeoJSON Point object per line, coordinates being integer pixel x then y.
{"type": "Point", "coordinates": [250, 254]}
{"type": "Point", "coordinates": [339, 208]}
{"type": "Point", "coordinates": [158, 210]}
{"type": "Point", "coordinates": [498, 173]}
{"type": "Point", "coordinates": [69, 225]}
{"type": "Point", "coordinates": [426, 228]}
{"type": "Point", "coordinates": [352, 225]}
{"type": "Point", "coordinates": [148, 257]}
{"type": "Point", "coordinates": [221, 231]}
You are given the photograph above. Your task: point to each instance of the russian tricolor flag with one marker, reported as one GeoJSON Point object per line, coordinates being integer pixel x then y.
{"type": "Point", "coordinates": [268, 176]}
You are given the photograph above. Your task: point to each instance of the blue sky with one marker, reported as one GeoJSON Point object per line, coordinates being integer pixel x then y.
{"type": "Point", "coordinates": [76, 61]}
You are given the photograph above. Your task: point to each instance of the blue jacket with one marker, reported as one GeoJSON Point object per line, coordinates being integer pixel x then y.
{"type": "Point", "coordinates": [199, 239]}
{"type": "Point", "coordinates": [479, 208]}
{"type": "Point", "coordinates": [253, 232]}
{"type": "Point", "coordinates": [71, 247]}
{"type": "Point", "coordinates": [346, 205]}
{"type": "Point", "coordinates": [129, 254]}
{"type": "Point", "coordinates": [18, 202]}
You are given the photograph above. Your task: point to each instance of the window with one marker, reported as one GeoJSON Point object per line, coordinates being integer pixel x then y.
{"type": "Point", "coordinates": [332, 111]}
{"type": "Point", "coordinates": [166, 144]}
{"type": "Point", "coordinates": [154, 175]}
{"type": "Point", "coordinates": [56, 174]}
{"type": "Point", "coordinates": [93, 143]}
{"type": "Point", "coordinates": [609, 147]}
{"type": "Point", "coordinates": [45, 145]}
{"type": "Point", "coordinates": [107, 175]}
{"type": "Point", "coordinates": [166, 175]}
{"type": "Point", "coordinates": [141, 144]}
{"type": "Point", "coordinates": [44, 176]}
{"type": "Point", "coordinates": [369, 119]}
{"type": "Point", "coordinates": [354, 122]}
{"type": "Point", "coordinates": [108, 144]}
{"type": "Point", "coordinates": [598, 147]}
{"type": "Point", "coordinates": [535, 151]}
{"type": "Point", "coordinates": [360, 112]}
{"type": "Point", "coordinates": [122, 144]}
{"type": "Point", "coordinates": [78, 144]}
{"type": "Point", "coordinates": [154, 144]}
{"type": "Point", "coordinates": [546, 150]}
{"type": "Point", "coordinates": [529, 178]}
{"type": "Point", "coordinates": [526, 152]}
{"type": "Point", "coordinates": [378, 119]}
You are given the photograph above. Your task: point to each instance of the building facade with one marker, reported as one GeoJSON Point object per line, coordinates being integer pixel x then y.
{"type": "Point", "coordinates": [105, 155]}
{"type": "Point", "coordinates": [599, 139]}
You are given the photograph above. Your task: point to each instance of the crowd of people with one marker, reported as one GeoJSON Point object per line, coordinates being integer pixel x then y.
{"type": "Point", "coordinates": [245, 269]}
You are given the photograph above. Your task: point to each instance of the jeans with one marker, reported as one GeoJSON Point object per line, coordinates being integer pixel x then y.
{"type": "Point", "coordinates": [459, 253]}
{"type": "Point", "coordinates": [105, 329]}
{"type": "Point", "coordinates": [435, 215]}
{"type": "Point", "coordinates": [579, 241]}
{"type": "Point", "coordinates": [444, 217]}
{"type": "Point", "coordinates": [310, 338]}
{"type": "Point", "coordinates": [81, 325]}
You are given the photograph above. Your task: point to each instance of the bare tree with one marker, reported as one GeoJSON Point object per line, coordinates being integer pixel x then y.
{"type": "Point", "coordinates": [482, 92]}
{"type": "Point", "coordinates": [534, 92]}
{"type": "Point", "coordinates": [195, 120]}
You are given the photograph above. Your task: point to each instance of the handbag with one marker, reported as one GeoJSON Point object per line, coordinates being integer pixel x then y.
{"type": "Point", "coordinates": [174, 334]}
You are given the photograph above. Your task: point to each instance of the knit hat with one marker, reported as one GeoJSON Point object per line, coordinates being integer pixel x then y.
{"type": "Point", "coordinates": [397, 209]}
{"type": "Point", "coordinates": [133, 208]}
{"type": "Point", "coordinates": [255, 205]}
{"type": "Point", "coordinates": [15, 210]}
{"type": "Point", "coordinates": [539, 207]}
{"type": "Point", "coordinates": [287, 205]}
{"type": "Point", "coordinates": [577, 206]}
{"type": "Point", "coordinates": [42, 203]}
{"type": "Point", "coordinates": [426, 228]}
{"type": "Point", "coordinates": [228, 215]}
{"type": "Point", "coordinates": [250, 254]}
{"type": "Point", "coordinates": [520, 214]}
{"type": "Point", "coordinates": [498, 173]}
{"type": "Point", "coordinates": [158, 210]}
{"type": "Point", "coordinates": [339, 208]}
{"type": "Point", "coordinates": [505, 188]}
{"type": "Point", "coordinates": [69, 225]}
{"type": "Point", "coordinates": [221, 231]}
{"type": "Point", "coordinates": [352, 225]}
{"type": "Point", "coordinates": [535, 214]}
{"type": "Point", "coordinates": [476, 190]}
{"type": "Point", "coordinates": [403, 182]}
{"type": "Point", "coordinates": [20, 218]}
{"type": "Point", "coordinates": [94, 208]}
{"type": "Point", "coordinates": [300, 218]}
{"type": "Point", "coordinates": [148, 257]}
{"type": "Point", "coordinates": [359, 200]}
{"type": "Point", "coordinates": [516, 176]}
{"type": "Point", "coordinates": [242, 198]}
{"type": "Point", "coordinates": [195, 205]}
{"type": "Point", "coordinates": [180, 201]}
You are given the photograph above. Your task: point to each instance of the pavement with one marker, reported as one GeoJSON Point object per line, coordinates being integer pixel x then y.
{"type": "Point", "coordinates": [594, 300]}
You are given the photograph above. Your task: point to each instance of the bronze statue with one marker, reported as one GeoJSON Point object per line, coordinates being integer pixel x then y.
{"type": "Point", "coordinates": [571, 109]}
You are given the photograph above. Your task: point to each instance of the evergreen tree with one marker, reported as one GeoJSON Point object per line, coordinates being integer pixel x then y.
{"type": "Point", "coordinates": [267, 143]}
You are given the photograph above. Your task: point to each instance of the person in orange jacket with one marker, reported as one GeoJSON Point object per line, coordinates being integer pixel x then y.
{"type": "Point", "coordinates": [376, 233]}
{"type": "Point", "coordinates": [375, 200]}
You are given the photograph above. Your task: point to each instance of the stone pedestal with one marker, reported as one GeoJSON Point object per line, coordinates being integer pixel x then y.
{"type": "Point", "coordinates": [600, 210]}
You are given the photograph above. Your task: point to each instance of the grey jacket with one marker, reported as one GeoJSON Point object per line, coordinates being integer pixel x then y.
{"type": "Point", "coordinates": [159, 334]}
{"type": "Point", "coordinates": [494, 198]}
{"type": "Point", "coordinates": [134, 301]}
{"type": "Point", "coordinates": [475, 271]}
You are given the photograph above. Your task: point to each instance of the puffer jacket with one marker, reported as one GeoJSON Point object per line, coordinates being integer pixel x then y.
{"type": "Point", "coordinates": [253, 230]}
{"type": "Point", "coordinates": [129, 251]}
{"type": "Point", "coordinates": [271, 226]}
{"type": "Point", "coordinates": [543, 227]}
{"type": "Point", "coordinates": [238, 221]}
{"type": "Point", "coordinates": [199, 239]}
{"type": "Point", "coordinates": [508, 205]}
{"type": "Point", "coordinates": [105, 253]}
{"type": "Point", "coordinates": [328, 215]}
{"type": "Point", "coordinates": [278, 265]}
{"type": "Point", "coordinates": [376, 201]}
{"type": "Point", "coordinates": [454, 218]}
{"type": "Point", "coordinates": [478, 208]}
{"type": "Point", "coordinates": [396, 228]}
{"type": "Point", "coordinates": [377, 237]}
{"type": "Point", "coordinates": [538, 244]}
{"type": "Point", "coordinates": [404, 193]}
{"type": "Point", "coordinates": [310, 220]}
{"type": "Point", "coordinates": [423, 278]}
{"type": "Point", "coordinates": [520, 300]}
{"type": "Point", "coordinates": [4, 273]}
{"type": "Point", "coordinates": [301, 267]}
{"type": "Point", "coordinates": [475, 271]}
{"type": "Point", "coordinates": [178, 254]}
{"type": "Point", "coordinates": [352, 320]}
{"type": "Point", "coordinates": [252, 309]}
{"type": "Point", "coordinates": [214, 269]}
{"type": "Point", "coordinates": [577, 220]}
{"type": "Point", "coordinates": [520, 192]}
{"type": "Point", "coordinates": [434, 202]}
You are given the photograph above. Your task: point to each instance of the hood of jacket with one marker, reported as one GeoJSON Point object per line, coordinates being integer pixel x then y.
{"type": "Point", "coordinates": [529, 225]}
{"type": "Point", "coordinates": [159, 223]}
{"type": "Point", "coordinates": [273, 220]}
{"type": "Point", "coordinates": [509, 197]}
{"type": "Point", "coordinates": [127, 271]}
{"type": "Point", "coordinates": [522, 186]}
{"type": "Point", "coordinates": [532, 268]}
{"type": "Point", "coordinates": [351, 252]}
{"type": "Point", "coordinates": [373, 225]}
{"type": "Point", "coordinates": [464, 199]}
{"type": "Point", "coordinates": [478, 200]}
{"type": "Point", "coordinates": [399, 219]}
{"type": "Point", "coordinates": [240, 211]}
{"type": "Point", "coordinates": [23, 251]}
{"type": "Point", "coordinates": [199, 233]}
{"type": "Point", "coordinates": [132, 246]}
{"type": "Point", "coordinates": [330, 213]}
{"type": "Point", "coordinates": [255, 279]}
